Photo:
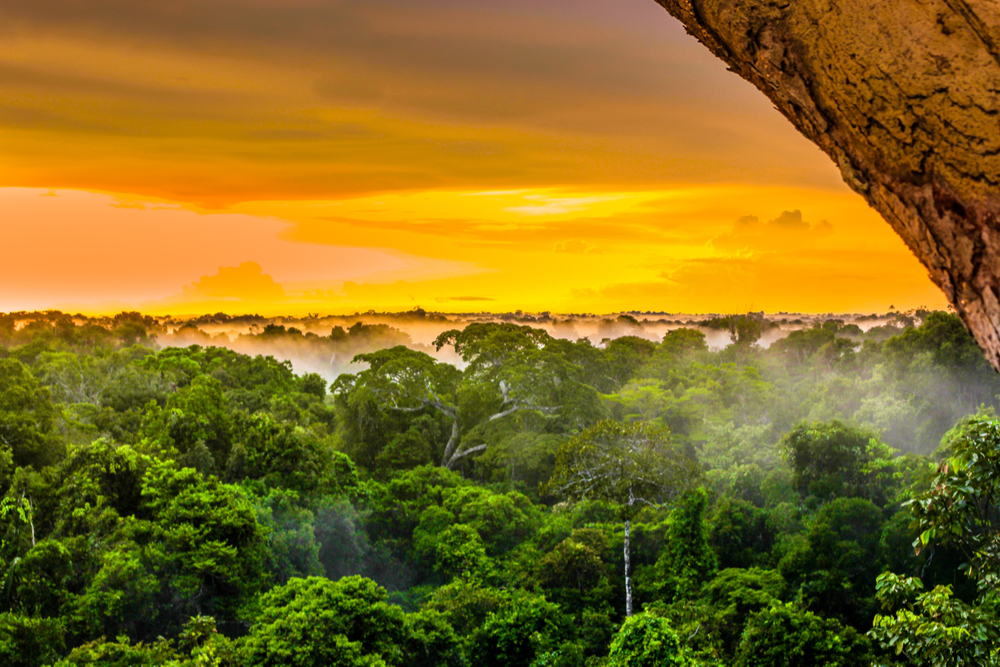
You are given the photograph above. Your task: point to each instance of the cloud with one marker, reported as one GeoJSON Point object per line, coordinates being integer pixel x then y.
{"type": "Point", "coordinates": [244, 282]}
{"type": "Point", "coordinates": [805, 280]}
{"type": "Point", "coordinates": [578, 247]}
{"type": "Point", "coordinates": [788, 230]}
{"type": "Point", "coordinates": [78, 247]}
{"type": "Point", "coordinates": [659, 250]}
{"type": "Point", "coordinates": [221, 101]}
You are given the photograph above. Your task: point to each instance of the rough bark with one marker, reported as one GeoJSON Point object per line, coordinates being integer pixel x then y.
{"type": "Point", "coordinates": [904, 95]}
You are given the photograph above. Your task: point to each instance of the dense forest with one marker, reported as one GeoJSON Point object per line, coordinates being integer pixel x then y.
{"type": "Point", "coordinates": [501, 496]}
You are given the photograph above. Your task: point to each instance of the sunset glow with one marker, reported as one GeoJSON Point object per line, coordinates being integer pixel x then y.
{"type": "Point", "coordinates": [255, 155]}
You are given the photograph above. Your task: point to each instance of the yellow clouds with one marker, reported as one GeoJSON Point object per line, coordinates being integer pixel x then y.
{"type": "Point", "coordinates": [787, 231]}
{"type": "Point", "coordinates": [222, 101]}
{"type": "Point", "coordinates": [707, 248]}
{"type": "Point", "coordinates": [246, 282]}
{"type": "Point", "coordinates": [704, 248]}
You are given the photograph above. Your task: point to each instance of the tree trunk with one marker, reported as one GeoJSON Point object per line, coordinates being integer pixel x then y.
{"type": "Point", "coordinates": [449, 450]}
{"type": "Point", "coordinates": [904, 95]}
{"type": "Point", "coordinates": [628, 562]}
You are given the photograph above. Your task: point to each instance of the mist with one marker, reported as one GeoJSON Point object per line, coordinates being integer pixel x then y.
{"type": "Point", "coordinates": [312, 343]}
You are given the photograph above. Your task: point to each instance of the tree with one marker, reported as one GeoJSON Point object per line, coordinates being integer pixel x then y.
{"type": "Point", "coordinates": [801, 344]}
{"type": "Point", "coordinates": [784, 636]}
{"type": "Point", "coordinates": [961, 509]}
{"type": "Point", "coordinates": [744, 330]}
{"type": "Point", "coordinates": [520, 631]}
{"type": "Point", "coordinates": [933, 628]}
{"type": "Point", "coordinates": [739, 534]}
{"type": "Point", "coordinates": [573, 573]}
{"type": "Point", "coordinates": [316, 622]}
{"type": "Point", "coordinates": [832, 459]}
{"type": "Point", "coordinates": [683, 341]}
{"type": "Point", "coordinates": [410, 381]}
{"type": "Point", "coordinates": [431, 641]}
{"type": "Point", "coordinates": [625, 355]}
{"type": "Point", "coordinates": [836, 565]}
{"type": "Point", "coordinates": [460, 552]}
{"type": "Point", "coordinates": [631, 465]}
{"type": "Point", "coordinates": [202, 415]}
{"type": "Point", "coordinates": [26, 416]}
{"type": "Point", "coordinates": [487, 345]}
{"type": "Point", "coordinates": [645, 640]}
{"type": "Point", "coordinates": [289, 457]}
{"type": "Point", "coordinates": [198, 541]}
{"type": "Point", "coordinates": [510, 371]}
{"type": "Point", "coordinates": [943, 336]}
{"type": "Point", "coordinates": [30, 642]}
{"type": "Point", "coordinates": [687, 560]}
{"type": "Point", "coordinates": [737, 594]}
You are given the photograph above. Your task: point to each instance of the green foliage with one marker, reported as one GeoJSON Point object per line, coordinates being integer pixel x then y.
{"type": "Point", "coordinates": [26, 417]}
{"type": "Point", "coordinates": [194, 546]}
{"type": "Point", "coordinates": [29, 641]}
{"type": "Point", "coordinates": [962, 506]}
{"type": "Point", "coordinates": [318, 622]}
{"type": "Point", "coordinates": [122, 653]}
{"type": "Point", "coordinates": [405, 451]}
{"type": "Point", "coordinates": [945, 338]}
{"type": "Point", "coordinates": [292, 547]}
{"type": "Point", "coordinates": [932, 627]}
{"type": "Point", "coordinates": [834, 460]}
{"type": "Point", "coordinates": [627, 464]}
{"type": "Point", "coordinates": [520, 631]}
{"type": "Point", "coordinates": [467, 604]}
{"type": "Point", "coordinates": [735, 595]}
{"type": "Point", "coordinates": [574, 572]}
{"type": "Point", "coordinates": [645, 640]}
{"type": "Point", "coordinates": [288, 456]}
{"type": "Point", "coordinates": [687, 560]}
{"type": "Point", "coordinates": [837, 562]}
{"type": "Point", "coordinates": [430, 641]}
{"type": "Point", "coordinates": [199, 645]}
{"type": "Point", "coordinates": [740, 534]}
{"type": "Point", "coordinates": [744, 330]}
{"type": "Point", "coordinates": [800, 346]}
{"type": "Point", "coordinates": [784, 636]}
{"type": "Point", "coordinates": [683, 341]}
{"type": "Point", "coordinates": [960, 510]}
{"type": "Point", "coordinates": [459, 552]}
{"type": "Point", "coordinates": [153, 492]}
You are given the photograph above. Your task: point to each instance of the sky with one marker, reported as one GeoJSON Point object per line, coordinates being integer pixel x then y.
{"type": "Point", "coordinates": [330, 156]}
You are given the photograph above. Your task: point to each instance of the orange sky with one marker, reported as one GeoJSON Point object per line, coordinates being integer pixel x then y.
{"type": "Point", "coordinates": [333, 155]}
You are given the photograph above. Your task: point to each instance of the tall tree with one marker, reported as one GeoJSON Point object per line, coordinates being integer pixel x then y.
{"type": "Point", "coordinates": [631, 465]}
{"type": "Point", "coordinates": [409, 381]}
{"type": "Point", "coordinates": [509, 370]}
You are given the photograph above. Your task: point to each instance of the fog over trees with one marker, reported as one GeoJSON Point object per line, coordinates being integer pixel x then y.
{"type": "Point", "coordinates": [417, 489]}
